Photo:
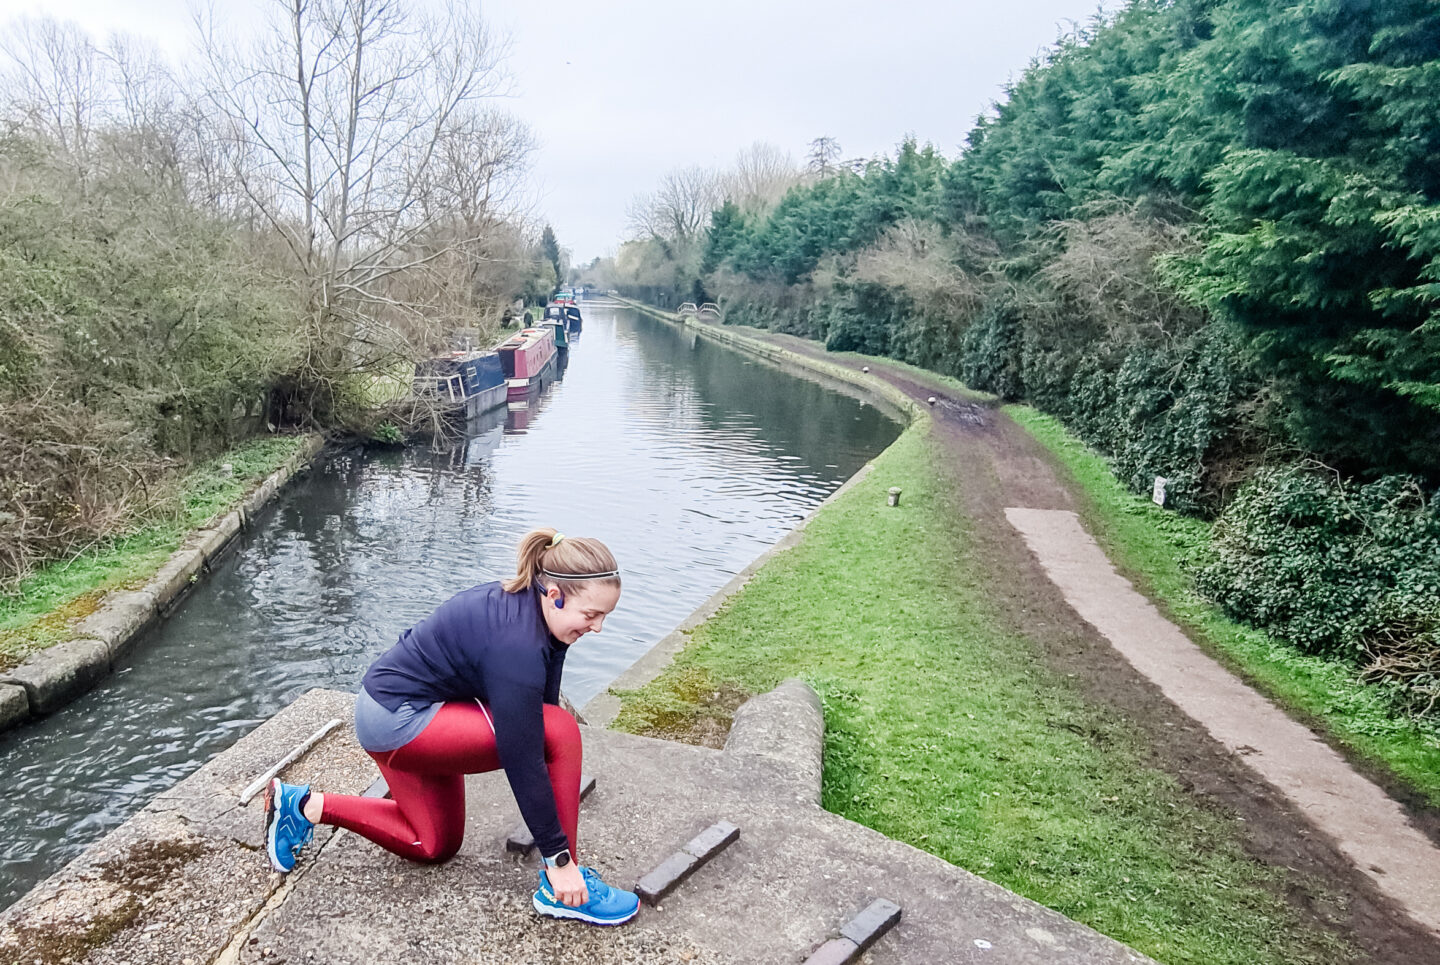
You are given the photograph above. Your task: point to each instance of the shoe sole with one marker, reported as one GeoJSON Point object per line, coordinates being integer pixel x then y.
{"type": "Point", "coordinates": [565, 911]}
{"type": "Point", "coordinates": [270, 829]}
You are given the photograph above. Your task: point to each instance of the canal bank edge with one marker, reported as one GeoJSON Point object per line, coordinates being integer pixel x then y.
{"type": "Point", "coordinates": [51, 678]}
{"type": "Point", "coordinates": [877, 392]}
{"type": "Point", "coordinates": [602, 709]}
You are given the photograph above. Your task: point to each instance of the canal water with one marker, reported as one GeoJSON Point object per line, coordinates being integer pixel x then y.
{"type": "Point", "coordinates": [687, 458]}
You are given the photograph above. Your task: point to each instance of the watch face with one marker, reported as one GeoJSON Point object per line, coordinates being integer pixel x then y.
{"type": "Point", "coordinates": [562, 859]}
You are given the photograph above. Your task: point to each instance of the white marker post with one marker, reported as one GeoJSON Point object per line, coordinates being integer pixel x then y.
{"type": "Point", "coordinates": [1157, 494]}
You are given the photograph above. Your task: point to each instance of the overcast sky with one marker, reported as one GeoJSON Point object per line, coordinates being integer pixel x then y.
{"type": "Point", "coordinates": [620, 93]}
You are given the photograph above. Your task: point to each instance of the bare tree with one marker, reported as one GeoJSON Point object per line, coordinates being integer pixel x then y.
{"type": "Point", "coordinates": [350, 121]}
{"type": "Point", "coordinates": [54, 84]}
{"type": "Point", "coordinates": [761, 176]}
{"type": "Point", "coordinates": [680, 208]}
{"type": "Point", "coordinates": [481, 159]}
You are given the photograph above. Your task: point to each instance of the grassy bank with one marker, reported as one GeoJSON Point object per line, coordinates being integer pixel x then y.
{"type": "Point", "coordinates": [1157, 548]}
{"type": "Point", "coordinates": [42, 607]}
{"type": "Point", "coordinates": [945, 730]}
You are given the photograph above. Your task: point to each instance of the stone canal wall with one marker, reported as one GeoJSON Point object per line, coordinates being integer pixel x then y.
{"type": "Point", "coordinates": [884, 396]}
{"type": "Point", "coordinates": [49, 679]}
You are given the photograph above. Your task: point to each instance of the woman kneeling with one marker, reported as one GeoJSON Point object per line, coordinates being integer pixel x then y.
{"type": "Point", "coordinates": [473, 687]}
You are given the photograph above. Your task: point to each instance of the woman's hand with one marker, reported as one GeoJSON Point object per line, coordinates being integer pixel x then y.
{"type": "Point", "coordinates": [568, 884]}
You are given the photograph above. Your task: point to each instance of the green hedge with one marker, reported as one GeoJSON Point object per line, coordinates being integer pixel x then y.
{"type": "Point", "coordinates": [1342, 570]}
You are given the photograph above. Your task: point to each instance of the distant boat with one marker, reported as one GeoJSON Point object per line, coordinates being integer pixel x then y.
{"type": "Point", "coordinates": [462, 384]}
{"type": "Point", "coordinates": [525, 357]}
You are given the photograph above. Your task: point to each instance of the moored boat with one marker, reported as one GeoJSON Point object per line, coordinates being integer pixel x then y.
{"type": "Point", "coordinates": [555, 321]}
{"type": "Point", "coordinates": [525, 357]}
{"type": "Point", "coordinates": [462, 384]}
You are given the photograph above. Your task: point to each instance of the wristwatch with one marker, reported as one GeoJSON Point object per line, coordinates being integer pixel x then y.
{"type": "Point", "coordinates": [559, 860]}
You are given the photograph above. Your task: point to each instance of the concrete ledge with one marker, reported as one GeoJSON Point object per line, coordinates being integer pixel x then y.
{"type": "Point", "coordinates": [186, 877]}
{"type": "Point", "coordinates": [210, 542]}
{"type": "Point", "coordinates": [176, 578]}
{"type": "Point", "coordinates": [257, 500]}
{"type": "Point", "coordinates": [55, 676]}
{"type": "Point", "coordinates": [222, 533]}
{"type": "Point", "coordinates": [121, 619]}
{"type": "Point", "coordinates": [14, 705]}
{"type": "Point", "coordinates": [787, 726]}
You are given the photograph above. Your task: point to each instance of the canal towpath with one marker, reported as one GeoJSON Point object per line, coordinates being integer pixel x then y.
{"type": "Point", "coordinates": [1305, 806]}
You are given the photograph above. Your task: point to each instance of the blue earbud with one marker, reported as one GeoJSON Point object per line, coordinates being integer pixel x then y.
{"type": "Point", "coordinates": [560, 603]}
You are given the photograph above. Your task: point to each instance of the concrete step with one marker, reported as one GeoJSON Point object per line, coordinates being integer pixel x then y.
{"type": "Point", "coordinates": [787, 886]}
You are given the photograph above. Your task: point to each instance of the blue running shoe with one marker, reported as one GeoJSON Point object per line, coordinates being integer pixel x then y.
{"type": "Point", "coordinates": [287, 829]}
{"type": "Point", "coordinates": [605, 905]}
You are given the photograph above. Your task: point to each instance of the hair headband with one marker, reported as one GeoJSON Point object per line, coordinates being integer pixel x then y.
{"type": "Point", "coordinates": [555, 541]}
{"type": "Point", "coordinates": [579, 576]}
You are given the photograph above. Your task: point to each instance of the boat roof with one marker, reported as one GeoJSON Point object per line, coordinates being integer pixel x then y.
{"type": "Point", "coordinates": [526, 335]}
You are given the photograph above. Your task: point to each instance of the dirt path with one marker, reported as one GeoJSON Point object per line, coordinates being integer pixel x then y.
{"type": "Point", "coordinates": [998, 466]}
{"type": "Point", "coordinates": [1366, 825]}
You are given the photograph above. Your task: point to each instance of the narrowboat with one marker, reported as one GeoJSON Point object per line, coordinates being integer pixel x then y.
{"type": "Point", "coordinates": [525, 357]}
{"type": "Point", "coordinates": [572, 319]}
{"type": "Point", "coordinates": [462, 384]}
{"type": "Point", "coordinates": [558, 328]}
{"type": "Point", "coordinates": [555, 321]}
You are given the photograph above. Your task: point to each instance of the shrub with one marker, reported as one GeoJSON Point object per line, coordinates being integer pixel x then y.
{"type": "Point", "coordinates": [1338, 569]}
{"type": "Point", "coordinates": [990, 351]}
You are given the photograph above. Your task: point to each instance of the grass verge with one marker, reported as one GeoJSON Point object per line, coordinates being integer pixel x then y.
{"type": "Point", "coordinates": [45, 603]}
{"type": "Point", "coordinates": [945, 730]}
{"type": "Point", "coordinates": [1158, 550]}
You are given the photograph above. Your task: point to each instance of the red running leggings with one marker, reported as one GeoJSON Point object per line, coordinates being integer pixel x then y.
{"type": "Point", "coordinates": [425, 818]}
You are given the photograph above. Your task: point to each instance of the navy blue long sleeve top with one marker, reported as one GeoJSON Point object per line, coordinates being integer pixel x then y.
{"type": "Point", "coordinates": [488, 645]}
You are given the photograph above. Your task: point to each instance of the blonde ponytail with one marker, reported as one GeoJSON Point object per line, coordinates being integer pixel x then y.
{"type": "Point", "coordinates": [543, 551]}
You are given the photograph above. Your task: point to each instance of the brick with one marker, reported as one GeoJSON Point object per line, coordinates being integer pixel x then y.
{"type": "Point", "coordinates": [878, 917]}
{"type": "Point", "coordinates": [520, 840]}
{"type": "Point", "coordinates": [671, 873]}
{"type": "Point", "coordinates": [712, 840]}
{"type": "Point", "coordinates": [14, 706]}
{"type": "Point", "coordinates": [683, 863]}
{"type": "Point", "coordinates": [377, 789]}
{"type": "Point", "coordinates": [837, 951]}
{"type": "Point", "coordinates": [57, 675]}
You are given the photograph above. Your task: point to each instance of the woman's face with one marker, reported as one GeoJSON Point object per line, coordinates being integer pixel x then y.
{"type": "Point", "coordinates": [583, 613]}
